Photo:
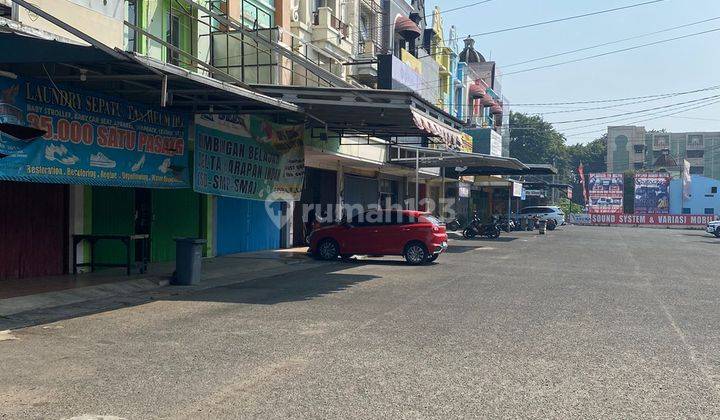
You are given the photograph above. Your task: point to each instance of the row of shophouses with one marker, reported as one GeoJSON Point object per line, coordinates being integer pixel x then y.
{"type": "Point", "coordinates": [227, 119]}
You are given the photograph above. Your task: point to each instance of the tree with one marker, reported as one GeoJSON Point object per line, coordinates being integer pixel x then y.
{"type": "Point", "coordinates": [534, 140]}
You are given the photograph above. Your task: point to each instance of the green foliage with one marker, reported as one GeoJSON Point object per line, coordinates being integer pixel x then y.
{"type": "Point", "coordinates": [568, 207]}
{"type": "Point", "coordinates": [533, 140]}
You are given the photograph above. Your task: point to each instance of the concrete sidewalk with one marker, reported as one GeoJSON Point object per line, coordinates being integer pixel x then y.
{"type": "Point", "coordinates": [218, 271]}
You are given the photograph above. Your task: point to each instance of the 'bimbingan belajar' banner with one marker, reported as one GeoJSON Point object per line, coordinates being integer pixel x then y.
{"type": "Point", "coordinates": [90, 139]}
{"type": "Point", "coordinates": [248, 157]}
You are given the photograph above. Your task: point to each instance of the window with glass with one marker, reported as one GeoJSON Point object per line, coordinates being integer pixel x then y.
{"type": "Point", "coordinates": [131, 14]}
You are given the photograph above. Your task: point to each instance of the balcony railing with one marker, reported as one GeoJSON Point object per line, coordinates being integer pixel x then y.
{"type": "Point", "coordinates": [334, 22]}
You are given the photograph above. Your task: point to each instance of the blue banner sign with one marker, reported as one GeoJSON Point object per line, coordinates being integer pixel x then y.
{"type": "Point", "coordinates": [89, 139]}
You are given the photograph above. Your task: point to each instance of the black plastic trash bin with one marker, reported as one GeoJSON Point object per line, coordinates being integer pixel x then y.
{"type": "Point", "coordinates": [188, 260]}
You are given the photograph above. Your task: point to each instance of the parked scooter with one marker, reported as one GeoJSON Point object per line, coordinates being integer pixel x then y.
{"type": "Point", "coordinates": [453, 225]}
{"type": "Point", "coordinates": [508, 225]}
{"type": "Point", "coordinates": [486, 230]}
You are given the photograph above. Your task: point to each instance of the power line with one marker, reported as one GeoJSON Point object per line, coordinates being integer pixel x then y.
{"type": "Point", "coordinates": [653, 118]}
{"type": "Point", "coordinates": [548, 22]}
{"type": "Point", "coordinates": [634, 112]}
{"type": "Point", "coordinates": [566, 111]}
{"type": "Point", "coordinates": [425, 16]}
{"type": "Point", "coordinates": [700, 103]}
{"type": "Point", "coordinates": [611, 42]}
{"type": "Point", "coordinates": [620, 99]}
{"type": "Point", "coordinates": [613, 52]}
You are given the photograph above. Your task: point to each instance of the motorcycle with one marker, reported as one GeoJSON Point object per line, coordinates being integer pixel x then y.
{"type": "Point", "coordinates": [508, 225]}
{"type": "Point", "coordinates": [486, 230]}
{"type": "Point", "coordinates": [453, 225]}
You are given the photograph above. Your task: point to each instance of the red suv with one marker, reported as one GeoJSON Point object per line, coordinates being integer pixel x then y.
{"type": "Point", "coordinates": [417, 236]}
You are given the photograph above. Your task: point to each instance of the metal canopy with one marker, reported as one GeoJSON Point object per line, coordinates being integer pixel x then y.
{"type": "Point", "coordinates": [530, 169]}
{"type": "Point", "coordinates": [453, 160]}
{"type": "Point", "coordinates": [375, 112]}
{"type": "Point", "coordinates": [449, 159]}
{"type": "Point", "coordinates": [117, 73]}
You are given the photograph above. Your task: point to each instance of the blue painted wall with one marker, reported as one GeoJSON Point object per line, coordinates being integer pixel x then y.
{"type": "Point", "coordinates": [245, 225]}
{"type": "Point", "coordinates": [701, 196]}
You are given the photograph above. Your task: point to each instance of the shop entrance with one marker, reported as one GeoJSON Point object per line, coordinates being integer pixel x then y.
{"type": "Point", "coordinates": [317, 200]}
{"type": "Point", "coordinates": [33, 222]}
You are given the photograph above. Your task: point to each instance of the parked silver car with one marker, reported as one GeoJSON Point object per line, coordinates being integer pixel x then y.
{"type": "Point", "coordinates": [544, 213]}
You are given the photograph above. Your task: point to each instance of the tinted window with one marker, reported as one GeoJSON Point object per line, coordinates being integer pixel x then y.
{"type": "Point", "coordinates": [408, 219]}
{"type": "Point", "coordinates": [527, 210]}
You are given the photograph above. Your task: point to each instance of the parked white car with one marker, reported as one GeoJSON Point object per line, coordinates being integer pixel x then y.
{"type": "Point", "coordinates": [544, 213]}
{"type": "Point", "coordinates": [714, 228]}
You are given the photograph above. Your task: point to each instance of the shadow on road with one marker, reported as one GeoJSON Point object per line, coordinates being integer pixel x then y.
{"type": "Point", "coordinates": [500, 239]}
{"type": "Point", "coordinates": [308, 285]}
{"type": "Point", "coordinates": [300, 285]}
{"type": "Point", "coordinates": [460, 249]}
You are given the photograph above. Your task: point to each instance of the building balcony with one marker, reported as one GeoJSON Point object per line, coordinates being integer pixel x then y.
{"type": "Point", "coordinates": [331, 33]}
{"type": "Point", "coordinates": [367, 67]}
{"type": "Point", "coordinates": [481, 121]}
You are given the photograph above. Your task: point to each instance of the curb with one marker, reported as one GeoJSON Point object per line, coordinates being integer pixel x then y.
{"type": "Point", "coordinates": [224, 277]}
{"type": "Point", "coordinates": [20, 304]}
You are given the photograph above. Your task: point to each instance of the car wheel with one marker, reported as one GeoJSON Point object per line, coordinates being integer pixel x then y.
{"type": "Point", "coordinates": [551, 225]}
{"type": "Point", "coordinates": [433, 257]}
{"type": "Point", "coordinates": [328, 250]}
{"type": "Point", "coordinates": [415, 253]}
{"type": "Point", "coordinates": [717, 232]}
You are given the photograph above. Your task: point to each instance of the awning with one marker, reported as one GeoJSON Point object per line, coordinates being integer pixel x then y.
{"type": "Point", "coordinates": [42, 55]}
{"type": "Point", "coordinates": [407, 28]}
{"type": "Point", "coordinates": [461, 163]}
{"type": "Point", "coordinates": [477, 91]}
{"type": "Point", "coordinates": [452, 138]}
{"type": "Point", "coordinates": [529, 169]}
{"type": "Point", "coordinates": [371, 112]}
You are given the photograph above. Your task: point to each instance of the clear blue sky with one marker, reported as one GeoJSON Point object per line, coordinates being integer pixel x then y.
{"type": "Point", "coordinates": [676, 66]}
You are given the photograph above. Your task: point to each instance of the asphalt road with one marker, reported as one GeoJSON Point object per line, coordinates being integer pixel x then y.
{"type": "Point", "coordinates": [583, 322]}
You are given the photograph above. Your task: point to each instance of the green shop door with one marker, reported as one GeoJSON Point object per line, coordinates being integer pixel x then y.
{"type": "Point", "coordinates": [175, 213]}
{"type": "Point", "coordinates": [113, 213]}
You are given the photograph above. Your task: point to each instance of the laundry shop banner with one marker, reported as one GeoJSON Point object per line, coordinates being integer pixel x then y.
{"type": "Point", "coordinates": [652, 193]}
{"type": "Point", "coordinates": [248, 157]}
{"type": "Point", "coordinates": [90, 139]}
